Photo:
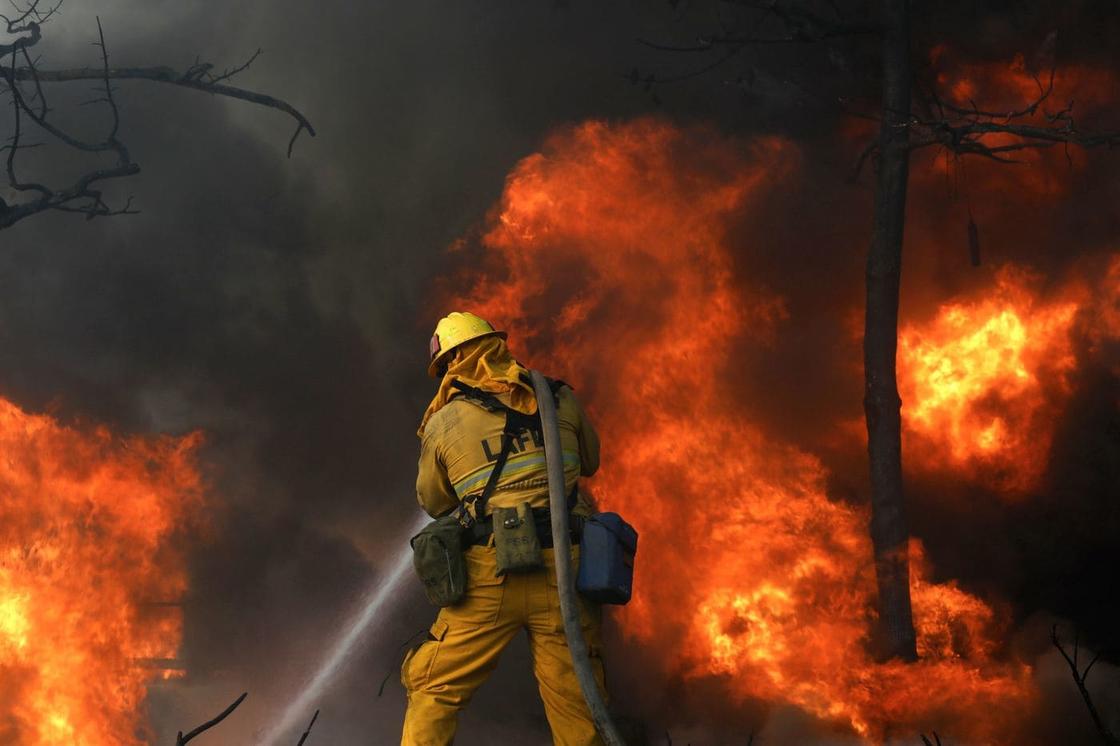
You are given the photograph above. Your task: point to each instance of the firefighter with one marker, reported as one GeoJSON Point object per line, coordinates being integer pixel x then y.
{"type": "Point", "coordinates": [461, 439]}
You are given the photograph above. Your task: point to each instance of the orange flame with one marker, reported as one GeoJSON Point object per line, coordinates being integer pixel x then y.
{"type": "Point", "coordinates": [85, 557]}
{"type": "Point", "coordinates": [1106, 308]}
{"type": "Point", "coordinates": [609, 257]}
{"type": "Point", "coordinates": [983, 381]}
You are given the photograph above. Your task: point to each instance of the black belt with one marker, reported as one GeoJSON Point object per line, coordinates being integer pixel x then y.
{"type": "Point", "coordinates": [479, 532]}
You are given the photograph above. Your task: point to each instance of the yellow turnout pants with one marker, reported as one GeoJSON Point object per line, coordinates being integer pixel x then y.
{"type": "Point", "coordinates": [463, 647]}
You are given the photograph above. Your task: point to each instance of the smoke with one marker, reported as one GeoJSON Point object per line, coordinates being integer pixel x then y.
{"type": "Point", "coordinates": [282, 306]}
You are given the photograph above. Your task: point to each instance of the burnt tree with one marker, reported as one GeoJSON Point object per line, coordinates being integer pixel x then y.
{"type": "Point", "coordinates": [881, 403]}
{"type": "Point", "coordinates": [25, 84]}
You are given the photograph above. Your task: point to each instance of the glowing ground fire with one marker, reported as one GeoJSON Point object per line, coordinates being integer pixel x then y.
{"type": "Point", "coordinates": [87, 571]}
{"type": "Point", "coordinates": [750, 576]}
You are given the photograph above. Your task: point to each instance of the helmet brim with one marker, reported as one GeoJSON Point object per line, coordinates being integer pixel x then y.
{"type": "Point", "coordinates": [439, 360]}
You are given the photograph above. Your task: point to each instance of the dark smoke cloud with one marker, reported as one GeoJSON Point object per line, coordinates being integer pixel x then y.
{"type": "Point", "coordinates": [283, 306]}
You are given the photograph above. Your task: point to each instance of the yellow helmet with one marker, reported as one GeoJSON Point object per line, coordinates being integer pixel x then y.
{"type": "Point", "coordinates": [453, 330]}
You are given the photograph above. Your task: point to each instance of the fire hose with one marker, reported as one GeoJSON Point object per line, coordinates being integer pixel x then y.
{"type": "Point", "coordinates": [565, 582]}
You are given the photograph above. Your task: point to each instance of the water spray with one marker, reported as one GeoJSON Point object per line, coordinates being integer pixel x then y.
{"type": "Point", "coordinates": [372, 610]}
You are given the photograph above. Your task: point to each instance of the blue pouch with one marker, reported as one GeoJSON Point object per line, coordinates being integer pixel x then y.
{"type": "Point", "coordinates": [606, 559]}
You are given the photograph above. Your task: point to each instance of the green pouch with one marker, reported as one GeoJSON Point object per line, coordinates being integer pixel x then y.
{"type": "Point", "coordinates": [437, 555]}
{"type": "Point", "coordinates": [516, 541]}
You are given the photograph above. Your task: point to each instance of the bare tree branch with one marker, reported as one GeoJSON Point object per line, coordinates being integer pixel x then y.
{"type": "Point", "coordinates": [1079, 677]}
{"type": "Point", "coordinates": [650, 79]}
{"type": "Point", "coordinates": [14, 24]}
{"type": "Point", "coordinates": [241, 68]}
{"type": "Point", "coordinates": [707, 44]}
{"type": "Point", "coordinates": [975, 112]}
{"type": "Point", "coordinates": [186, 79]}
{"type": "Point", "coordinates": [871, 149]}
{"type": "Point", "coordinates": [935, 121]}
{"type": "Point", "coordinates": [804, 23]}
{"type": "Point", "coordinates": [181, 740]}
{"type": "Point", "coordinates": [83, 196]}
{"type": "Point", "coordinates": [967, 137]}
{"type": "Point", "coordinates": [797, 23]}
{"type": "Point", "coordinates": [307, 732]}
{"type": "Point", "coordinates": [964, 130]}
{"type": "Point", "coordinates": [34, 36]}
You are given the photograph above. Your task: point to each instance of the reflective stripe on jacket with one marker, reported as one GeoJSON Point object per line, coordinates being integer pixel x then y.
{"type": "Point", "coordinates": [462, 440]}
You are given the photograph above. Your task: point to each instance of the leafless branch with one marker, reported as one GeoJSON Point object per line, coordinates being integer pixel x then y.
{"type": "Point", "coordinates": [241, 68]}
{"type": "Point", "coordinates": [803, 23]}
{"type": "Point", "coordinates": [34, 34]}
{"type": "Point", "coordinates": [963, 129]}
{"type": "Point", "coordinates": [649, 80]}
{"type": "Point", "coordinates": [871, 149]}
{"type": "Point", "coordinates": [967, 130]}
{"type": "Point", "coordinates": [14, 147]}
{"type": "Point", "coordinates": [307, 732]}
{"type": "Point", "coordinates": [967, 137]}
{"type": "Point", "coordinates": [186, 79]}
{"type": "Point", "coordinates": [83, 195]}
{"type": "Point", "coordinates": [707, 44]}
{"type": "Point", "coordinates": [40, 96]}
{"type": "Point", "coordinates": [793, 23]}
{"type": "Point", "coordinates": [181, 740]}
{"type": "Point", "coordinates": [15, 25]}
{"type": "Point", "coordinates": [1079, 677]}
{"type": "Point", "coordinates": [1044, 93]}
{"type": "Point", "coordinates": [112, 138]}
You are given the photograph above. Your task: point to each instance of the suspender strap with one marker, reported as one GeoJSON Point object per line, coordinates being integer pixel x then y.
{"type": "Point", "coordinates": [508, 434]}
{"type": "Point", "coordinates": [489, 401]}
{"type": "Point", "coordinates": [483, 398]}
{"type": "Point", "coordinates": [515, 423]}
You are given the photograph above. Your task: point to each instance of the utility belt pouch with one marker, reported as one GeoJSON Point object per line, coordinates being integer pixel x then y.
{"type": "Point", "coordinates": [606, 559]}
{"type": "Point", "coordinates": [515, 539]}
{"type": "Point", "coordinates": [437, 555]}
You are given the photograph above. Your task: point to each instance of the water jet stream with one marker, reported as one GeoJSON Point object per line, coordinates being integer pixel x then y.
{"type": "Point", "coordinates": [299, 710]}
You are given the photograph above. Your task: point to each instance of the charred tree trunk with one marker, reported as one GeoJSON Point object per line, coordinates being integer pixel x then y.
{"type": "Point", "coordinates": [881, 401]}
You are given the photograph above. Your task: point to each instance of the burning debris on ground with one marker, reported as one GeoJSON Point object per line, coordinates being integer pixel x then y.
{"type": "Point", "coordinates": [206, 471]}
